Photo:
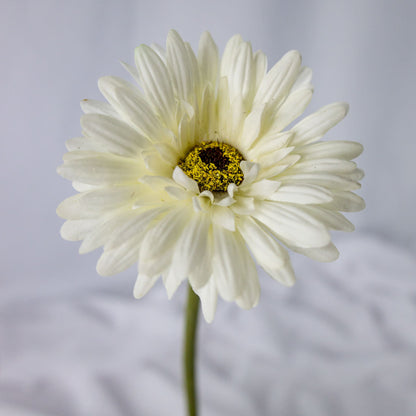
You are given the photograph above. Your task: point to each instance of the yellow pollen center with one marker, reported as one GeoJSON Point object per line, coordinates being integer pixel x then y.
{"type": "Point", "coordinates": [213, 166]}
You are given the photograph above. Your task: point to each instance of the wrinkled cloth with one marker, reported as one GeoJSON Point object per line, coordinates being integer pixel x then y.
{"type": "Point", "coordinates": [341, 342]}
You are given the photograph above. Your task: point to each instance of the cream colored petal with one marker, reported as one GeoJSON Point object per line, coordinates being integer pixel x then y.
{"type": "Point", "coordinates": [313, 127]}
{"type": "Point", "coordinates": [180, 66]}
{"type": "Point", "coordinates": [75, 230]}
{"type": "Point", "coordinates": [323, 254]}
{"type": "Point", "coordinates": [156, 83]}
{"type": "Point", "coordinates": [192, 251]}
{"type": "Point", "coordinates": [278, 81]}
{"type": "Point", "coordinates": [136, 225]}
{"type": "Point", "coordinates": [326, 180]}
{"type": "Point", "coordinates": [331, 149]}
{"type": "Point", "coordinates": [84, 144]}
{"type": "Point", "coordinates": [132, 71]}
{"type": "Point", "coordinates": [242, 74]}
{"type": "Point", "coordinates": [118, 259]}
{"type": "Point", "coordinates": [105, 231]}
{"type": "Point", "coordinates": [181, 178]}
{"type": "Point", "coordinates": [261, 189]}
{"type": "Point", "coordinates": [228, 266]}
{"type": "Point", "coordinates": [161, 237]}
{"type": "Point", "coordinates": [269, 254]}
{"type": "Point", "coordinates": [229, 55]}
{"type": "Point", "coordinates": [208, 59]}
{"type": "Point", "coordinates": [250, 294]}
{"type": "Point", "coordinates": [336, 166]}
{"type": "Point", "coordinates": [209, 296]}
{"type": "Point", "coordinates": [223, 217]}
{"type": "Point", "coordinates": [101, 169]}
{"type": "Point", "coordinates": [143, 285]}
{"type": "Point", "coordinates": [98, 107]}
{"type": "Point", "coordinates": [113, 135]}
{"type": "Point", "coordinates": [293, 107]}
{"type": "Point", "coordinates": [292, 224]}
{"type": "Point", "coordinates": [136, 111]}
{"type": "Point", "coordinates": [346, 202]}
{"type": "Point", "coordinates": [250, 171]}
{"type": "Point", "coordinates": [302, 194]}
{"type": "Point", "coordinates": [332, 219]}
{"type": "Point", "coordinates": [260, 64]}
{"type": "Point", "coordinates": [303, 80]}
{"type": "Point", "coordinates": [93, 203]}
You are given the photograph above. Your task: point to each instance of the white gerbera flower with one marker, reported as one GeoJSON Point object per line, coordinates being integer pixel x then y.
{"type": "Point", "coordinates": [194, 176]}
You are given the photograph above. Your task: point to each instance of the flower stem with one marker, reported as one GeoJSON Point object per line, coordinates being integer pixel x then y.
{"type": "Point", "coordinates": [192, 310]}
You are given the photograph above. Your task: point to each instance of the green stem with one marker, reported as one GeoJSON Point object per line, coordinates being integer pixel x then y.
{"type": "Point", "coordinates": [192, 310]}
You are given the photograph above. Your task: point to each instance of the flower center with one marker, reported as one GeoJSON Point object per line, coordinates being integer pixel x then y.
{"type": "Point", "coordinates": [213, 166]}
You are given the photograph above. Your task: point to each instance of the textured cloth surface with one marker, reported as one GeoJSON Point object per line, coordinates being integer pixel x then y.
{"type": "Point", "coordinates": [338, 343]}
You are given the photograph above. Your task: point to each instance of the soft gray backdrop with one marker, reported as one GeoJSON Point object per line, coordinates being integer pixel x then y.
{"type": "Point", "coordinates": [52, 53]}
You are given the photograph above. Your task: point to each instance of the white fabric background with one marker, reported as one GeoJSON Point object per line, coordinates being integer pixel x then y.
{"type": "Point", "coordinates": [341, 342]}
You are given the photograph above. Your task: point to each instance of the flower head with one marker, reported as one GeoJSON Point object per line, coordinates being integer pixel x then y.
{"type": "Point", "coordinates": [191, 171]}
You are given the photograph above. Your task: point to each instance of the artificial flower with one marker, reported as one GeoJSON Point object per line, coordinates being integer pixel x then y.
{"type": "Point", "coordinates": [192, 172]}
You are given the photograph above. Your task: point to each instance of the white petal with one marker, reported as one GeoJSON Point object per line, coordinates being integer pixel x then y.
{"type": "Point", "coordinates": [250, 295]}
{"type": "Point", "coordinates": [104, 231]}
{"type": "Point", "coordinates": [160, 238]}
{"type": "Point", "coordinates": [118, 259]}
{"type": "Point", "coordinates": [143, 285]}
{"type": "Point", "coordinates": [132, 106]}
{"type": "Point", "coordinates": [209, 296]}
{"type": "Point", "coordinates": [347, 202]}
{"type": "Point", "coordinates": [313, 127]}
{"type": "Point", "coordinates": [223, 217]}
{"type": "Point", "coordinates": [229, 55]}
{"type": "Point", "coordinates": [84, 144]}
{"type": "Point", "coordinates": [261, 189]}
{"type": "Point", "coordinates": [274, 157]}
{"type": "Point", "coordinates": [250, 171]}
{"type": "Point", "coordinates": [136, 225]}
{"type": "Point", "coordinates": [269, 143]}
{"type": "Point", "coordinates": [98, 107]}
{"type": "Point", "coordinates": [156, 83]}
{"type": "Point", "coordinates": [292, 224]}
{"type": "Point", "coordinates": [303, 79]}
{"type": "Point", "coordinates": [180, 66]}
{"type": "Point", "coordinates": [228, 266]}
{"type": "Point", "coordinates": [131, 70]}
{"type": "Point", "coordinates": [75, 230]}
{"type": "Point", "coordinates": [96, 202]}
{"type": "Point", "coordinates": [285, 274]}
{"type": "Point", "coordinates": [278, 81]}
{"type": "Point", "coordinates": [294, 105]}
{"type": "Point", "coordinates": [327, 180]}
{"type": "Point", "coordinates": [181, 178]}
{"type": "Point", "coordinates": [336, 166]}
{"type": "Point", "coordinates": [208, 58]}
{"type": "Point", "coordinates": [324, 254]}
{"type": "Point", "coordinates": [252, 127]}
{"type": "Point", "coordinates": [137, 111]}
{"type": "Point", "coordinates": [113, 135]}
{"type": "Point", "coordinates": [270, 255]}
{"type": "Point", "coordinates": [101, 169]}
{"type": "Point", "coordinates": [332, 219]}
{"type": "Point", "coordinates": [242, 74]}
{"type": "Point", "coordinates": [331, 149]}
{"type": "Point", "coordinates": [192, 250]}
{"type": "Point", "coordinates": [172, 281]}
{"type": "Point", "coordinates": [243, 206]}
{"type": "Point", "coordinates": [299, 194]}
{"type": "Point", "coordinates": [107, 86]}
{"type": "Point", "coordinates": [260, 63]}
